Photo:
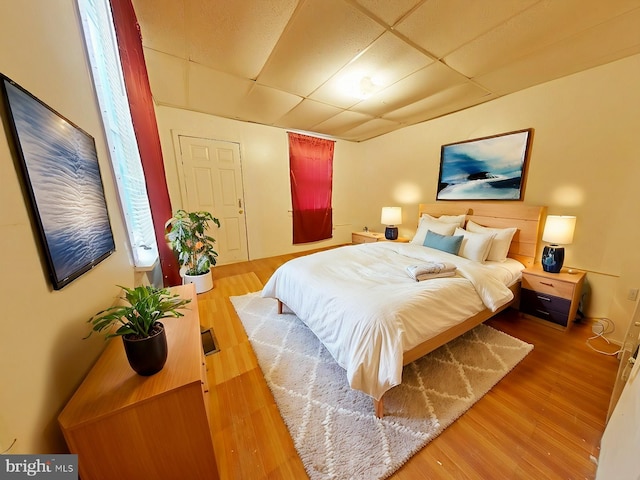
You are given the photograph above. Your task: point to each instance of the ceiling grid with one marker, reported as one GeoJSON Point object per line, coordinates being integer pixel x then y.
{"type": "Point", "coordinates": [356, 69]}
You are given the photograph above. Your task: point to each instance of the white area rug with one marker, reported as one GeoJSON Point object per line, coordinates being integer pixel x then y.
{"type": "Point", "coordinates": [333, 427]}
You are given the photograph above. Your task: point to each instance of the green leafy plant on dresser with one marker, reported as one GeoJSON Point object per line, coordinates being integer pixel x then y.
{"type": "Point", "coordinates": [137, 320]}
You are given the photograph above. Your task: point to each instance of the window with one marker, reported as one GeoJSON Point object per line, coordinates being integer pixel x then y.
{"type": "Point", "coordinates": [108, 79]}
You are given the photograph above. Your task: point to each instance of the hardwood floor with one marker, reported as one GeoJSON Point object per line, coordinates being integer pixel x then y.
{"type": "Point", "coordinates": [543, 420]}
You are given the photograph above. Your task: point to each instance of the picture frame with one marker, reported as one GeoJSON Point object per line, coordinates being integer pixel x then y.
{"type": "Point", "coordinates": [59, 166]}
{"type": "Point", "coordinates": [487, 168]}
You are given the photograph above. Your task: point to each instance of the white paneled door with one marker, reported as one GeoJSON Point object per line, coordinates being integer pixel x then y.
{"type": "Point", "coordinates": [212, 181]}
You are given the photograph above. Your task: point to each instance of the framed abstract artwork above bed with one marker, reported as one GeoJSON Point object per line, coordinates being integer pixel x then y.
{"type": "Point", "coordinates": [487, 168]}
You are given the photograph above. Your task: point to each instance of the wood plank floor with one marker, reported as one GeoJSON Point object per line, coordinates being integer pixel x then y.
{"type": "Point", "coordinates": [543, 420]}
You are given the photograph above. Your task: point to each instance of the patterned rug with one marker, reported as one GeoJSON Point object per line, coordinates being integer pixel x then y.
{"type": "Point", "coordinates": [333, 427]}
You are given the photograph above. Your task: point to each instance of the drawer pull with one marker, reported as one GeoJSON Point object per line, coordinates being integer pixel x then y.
{"type": "Point", "coordinates": [543, 312]}
{"type": "Point", "coordinates": [547, 284]}
{"type": "Point", "coordinates": [546, 299]}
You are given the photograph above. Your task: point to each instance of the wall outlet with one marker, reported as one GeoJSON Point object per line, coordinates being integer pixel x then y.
{"type": "Point", "coordinates": [633, 294]}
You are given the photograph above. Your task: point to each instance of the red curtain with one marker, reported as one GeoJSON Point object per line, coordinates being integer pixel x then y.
{"type": "Point", "coordinates": [146, 129]}
{"type": "Point", "coordinates": [311, 171]}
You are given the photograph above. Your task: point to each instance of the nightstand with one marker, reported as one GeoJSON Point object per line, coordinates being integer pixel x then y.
{"type": "Point", "coordinates": [553, 297]}
{"type": "Point", "coordinates": [370, 237]}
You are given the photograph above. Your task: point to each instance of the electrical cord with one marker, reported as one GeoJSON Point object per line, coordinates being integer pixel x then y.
{"type": "Point", "coordinates": [600, 328]}
{"type": "Point", "coordinates": [9, 447]}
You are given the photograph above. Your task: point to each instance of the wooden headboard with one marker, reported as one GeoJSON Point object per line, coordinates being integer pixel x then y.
{"type": "Point", "coordinates": [528, 219]}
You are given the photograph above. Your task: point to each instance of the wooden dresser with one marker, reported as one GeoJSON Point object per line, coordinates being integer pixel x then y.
{"type": "Point", "coordinates": [125, 426]}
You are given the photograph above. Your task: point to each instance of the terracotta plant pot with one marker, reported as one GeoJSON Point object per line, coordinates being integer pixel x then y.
{"type": "Point", "coordinates": [147, 355]}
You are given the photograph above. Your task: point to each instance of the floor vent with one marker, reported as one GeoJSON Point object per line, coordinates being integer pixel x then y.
{"type": "Point", "coordinates": [209, 342]}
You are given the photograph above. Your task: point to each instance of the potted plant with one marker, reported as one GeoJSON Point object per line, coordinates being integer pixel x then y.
{"type": "Point", "coordinates": [138, 320]}
{"type": "Point", "coordinates": [187, 235]}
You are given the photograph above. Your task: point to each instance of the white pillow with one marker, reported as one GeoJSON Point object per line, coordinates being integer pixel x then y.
{"type": "Point", "coordinates": [459, 219]}
{"type": "Point", "coordinates": [434, 225]}
{"type": "Point", "coordinates": [475, 246]}
{"type": "Point", "coordinates": [501, 242]}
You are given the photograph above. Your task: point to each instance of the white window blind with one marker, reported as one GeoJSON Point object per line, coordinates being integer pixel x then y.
{"type": "Point", "coordinates": [102, 48]}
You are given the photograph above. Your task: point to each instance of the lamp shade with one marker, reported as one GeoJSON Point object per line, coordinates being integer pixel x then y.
{"type": "Point", "coordinates": [391, 216]}
{"type": "Point", "coordinates": [558, 229]}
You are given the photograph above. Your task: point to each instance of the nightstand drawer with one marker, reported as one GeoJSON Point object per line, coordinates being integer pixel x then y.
{"type": "Point", "coordinates": [548, 307]}
{"type": "Point", "coordinates": [548, 286]}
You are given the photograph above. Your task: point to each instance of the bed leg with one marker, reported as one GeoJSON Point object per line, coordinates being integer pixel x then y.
{"type": "Point", "coordinates": [280, 306]}
{"type": "Point", "coordinates": [378, 407]}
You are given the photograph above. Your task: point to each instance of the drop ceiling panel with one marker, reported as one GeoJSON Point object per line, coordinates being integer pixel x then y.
{"type": "Point", "coordinates": [266, 105]}
{"type": "Point", "coordinates": [167, 77]}
{"type": "Point", "coordinates": [307, 114]}
{"type": "Point", "coordinates": [390, 12]}
{"type": "Point", "coordinates": [385, 62]}
{"type": "Point", "coordinates": [577, 53]}
{"type": "Point", "coordinates": [164, 24]}
{"type": "Point", "coordinates": [423, 83]}
{"type": "Point", "coordinates": [608, 57]}
{"type": "Point", "coordinates": [541, 25]}
{"type": "Point", "coordinates": [457, 98]}
{"type": "Point", "coordinates": [235, 36]}
{"type": "Point", "coordinates": [322, 37]}
{"type": "Point", "coordinates": [442, 26]}
{"type": "Point", "coordinates": [216, 92]}
{"type": "Point", "coordinates": [370, 129]}
{"type": "Point", "coordinates": [341, 123]}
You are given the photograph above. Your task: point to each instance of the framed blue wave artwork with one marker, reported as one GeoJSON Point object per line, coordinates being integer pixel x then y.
{"type": "Point", "coordinates": [62, 178]}
{"type": "Point", "coordinates": [488, 168]}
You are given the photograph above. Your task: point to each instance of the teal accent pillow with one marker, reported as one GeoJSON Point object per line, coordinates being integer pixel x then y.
{"type": "Point", "coordinates": [446, 243]}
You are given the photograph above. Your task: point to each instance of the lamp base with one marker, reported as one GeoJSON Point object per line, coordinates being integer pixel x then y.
{"type": "Point", "coordinates": [552, 258]}
{"type": "Point", "coordinates": [391, 233]}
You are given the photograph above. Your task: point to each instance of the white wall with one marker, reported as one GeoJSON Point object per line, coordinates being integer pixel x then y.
{"type": "Point", "coordinates": [585, 161]}
{"type": "Point", "coordinates": [43, 357]}
{"type": "Point", "coordinates": [264, 155]}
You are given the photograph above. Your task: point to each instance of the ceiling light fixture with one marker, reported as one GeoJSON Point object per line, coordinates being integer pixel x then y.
{"type": "Point", "coordinates": [361, 86]}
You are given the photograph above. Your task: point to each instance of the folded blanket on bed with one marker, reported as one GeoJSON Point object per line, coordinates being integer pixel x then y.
{"type": "Point", "coordinates": [427, 270]}
{"type": "Point", "coordinates": [427, 276]}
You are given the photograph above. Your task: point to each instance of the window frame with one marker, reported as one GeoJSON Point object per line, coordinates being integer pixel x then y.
{"type": "Point", "coordinates": [124, 155]}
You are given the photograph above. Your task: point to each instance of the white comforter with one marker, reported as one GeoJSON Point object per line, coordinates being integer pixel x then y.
{"type": "Point", "coordinates": [363, 306]}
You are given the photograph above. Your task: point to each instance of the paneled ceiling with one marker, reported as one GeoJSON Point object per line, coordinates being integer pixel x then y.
{"type": "Point", "coordinates": [356, 69]}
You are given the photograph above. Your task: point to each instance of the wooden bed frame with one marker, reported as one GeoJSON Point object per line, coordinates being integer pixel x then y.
{"type": "Point", "coordinates": [529, 221]}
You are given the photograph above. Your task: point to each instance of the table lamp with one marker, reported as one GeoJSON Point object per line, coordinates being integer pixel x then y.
{"type": "Point", "coordinates": [558, 230]}
{"type": "Point", "coordinates": [391, 216]}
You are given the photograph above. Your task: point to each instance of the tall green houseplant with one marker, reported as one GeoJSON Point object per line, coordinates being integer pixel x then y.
{"type": "Point", "coordinates": [187, 235]}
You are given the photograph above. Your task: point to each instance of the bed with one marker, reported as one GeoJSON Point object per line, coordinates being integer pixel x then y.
{"type": "Point", "coordinates": [374, 318]}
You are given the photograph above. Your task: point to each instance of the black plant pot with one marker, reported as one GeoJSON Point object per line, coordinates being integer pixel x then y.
{"type": "Point", "coordinates": [147, 355]}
